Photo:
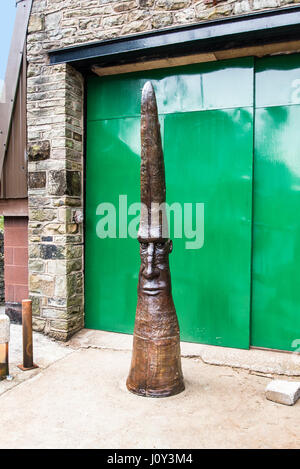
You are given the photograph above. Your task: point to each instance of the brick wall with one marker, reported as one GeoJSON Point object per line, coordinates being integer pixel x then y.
{"type": "Point", "coordinates": [15, 264]}
{"type": "Point", "coordinates": [55, 135]}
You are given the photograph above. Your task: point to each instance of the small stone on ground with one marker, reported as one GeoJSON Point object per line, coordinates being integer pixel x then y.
{"type": "Point", "coordinates": [283, 392]}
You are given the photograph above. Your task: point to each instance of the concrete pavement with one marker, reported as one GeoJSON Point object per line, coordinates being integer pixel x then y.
{"type": "Point", "coordinates": [77, 399]}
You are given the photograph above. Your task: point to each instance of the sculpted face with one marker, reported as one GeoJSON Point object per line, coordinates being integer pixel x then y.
{"type": "Point", "coordinates": [154, 275]}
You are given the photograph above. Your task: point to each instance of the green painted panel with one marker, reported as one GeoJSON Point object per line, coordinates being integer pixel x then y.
{"type": "Point", "coordinates": [211, 285]}
{"type": "Point", "coordinates": [180, 89]}
{"type": "Point", "coordinates": [208, 158]}
{"type": "Point", "coordinates": [277, 81]}
{"type": "Point", "coordinates": [111, 275]}
{"type": "Point", "coordinates": [276, 235]}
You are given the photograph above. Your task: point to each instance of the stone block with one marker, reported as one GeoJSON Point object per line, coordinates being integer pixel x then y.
{"type": "Point", "coordinates": [261, 4]}
{"type": "Point", "coordinates": [115, 20]}
{"type": "Point", "coordinates": [73, 183]}
{"type": "Point", "coordinates": [172, 4]}
{"type": "Point", "coordinates": [74, 265]}
{"type": "Point", "coordinates": [283, 392]}
{"type": "Point", "coordinates": [242, 7]}
{"type": "Point", "coordinates": [36, 265]}
{"type": "Point", "coordinates": [36, 23]}
{"type": "Point", "coordinates": [57, 182]}
{"type": "Point", "coordinates": [146, 3]}
{"type": "Point", "coordinates": [162, 20]}
{"type": "Point", "coordinates": [124, 6]}
{"type": "Point", "coordinates": [34, 251]}
{"type": "Point", "coordinates": [59, 302]}
{"type": "Point", "coordinates": [64, 183]}
{"type": "Point", "coordinates": [38, 324]}
{"type": "Point", "coordinates": [54, 229]}
{"type": "Point", "coordinates": [42, 214]}
{"type": "Point", "coordinates": [52, 20]}
{"type": "Point", "coordinates": [39, 150]}
{"type": "Point", "coordinates": [42, 284]}
{"type": "Point", "coordinates": [36, 305]}
{"type": "Point", "coordinates": [47, 238]}
{"type": "Point", "coordinates": [37, 180]}
{"type": "Point", "coordinates": [73, 251]}
{"type": "Point", "coordinates": [60, 287]}
{"type": "Point", "coordinates": [57, 267]}
{"type": "Point", "coordinates": [51, 251]}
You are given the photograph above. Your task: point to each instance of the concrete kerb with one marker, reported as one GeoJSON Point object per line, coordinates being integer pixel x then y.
{"type": "Point", "coordinates": [257, 361]}
{"type": "Point", "coordinates": [47, 351]}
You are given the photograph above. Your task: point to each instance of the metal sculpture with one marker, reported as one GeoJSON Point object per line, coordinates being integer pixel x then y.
{"type": "Point", "coordinates": [156, 365]}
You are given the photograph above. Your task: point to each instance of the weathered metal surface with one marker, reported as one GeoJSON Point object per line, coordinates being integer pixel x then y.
{"type": "Point", "coordinates": [156, 363]}
{"type": "Point", "coordinates": [276, 224]}
{"type": "Point", "coordinates": [14, 172]}
{"type": "Point", "coordinates": [27, 336]}
{"type": "Point", "coordinates": [14, 63]}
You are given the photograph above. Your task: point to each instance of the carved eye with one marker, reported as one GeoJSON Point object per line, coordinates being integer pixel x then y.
{"type": "Point", "coordinates": [160, 245]}
{"type": "Point", "coordinates": [144, 245]}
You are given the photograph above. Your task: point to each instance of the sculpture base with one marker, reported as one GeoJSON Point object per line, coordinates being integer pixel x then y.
{"type": "Point", "coordinates": [21, 367]}
{"type": "Point", "coordinates": [156, 393]}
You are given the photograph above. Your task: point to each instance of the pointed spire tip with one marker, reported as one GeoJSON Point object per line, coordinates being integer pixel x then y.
{"type": "Point", "coordinates": [148, 103]}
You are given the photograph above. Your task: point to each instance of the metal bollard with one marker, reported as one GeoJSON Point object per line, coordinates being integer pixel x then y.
{"type": "Point", "coordinates": [4, 340]}
{"type": "Point", "coordinates": [27, 336]}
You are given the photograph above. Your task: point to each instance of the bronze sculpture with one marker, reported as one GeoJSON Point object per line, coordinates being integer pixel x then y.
{"type": "Point", "coordinates": [156, 365]}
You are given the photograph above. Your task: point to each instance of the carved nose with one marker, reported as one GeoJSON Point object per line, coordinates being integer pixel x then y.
{"type": "Point", "coordinates": [150, 271]}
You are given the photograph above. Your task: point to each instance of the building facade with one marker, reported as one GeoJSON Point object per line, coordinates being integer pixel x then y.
{"type": "Point", "coordinates": [82, 147]}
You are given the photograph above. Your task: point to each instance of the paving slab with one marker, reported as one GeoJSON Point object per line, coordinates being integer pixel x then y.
{"type": "Point", "coordinates": [45, 352]}
{"type": "Point", "coordinates": [81, 401]}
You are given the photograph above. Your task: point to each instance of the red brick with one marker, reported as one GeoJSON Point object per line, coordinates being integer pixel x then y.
{"type": "Point", "coordinates": [15, 237]}
{"type": "Point", "coordinates": [15, 222]}
{"type": "Point", "coordinates": [9, 292]}
{"type": "Point", "coordinates": [15, 231]}
{"type": "Point", "coordinates": [20, 293]}
{"type": "Point", "coordinates": [20, 256]}
{"type": "Point", "coordinates": [8, 256]}
{"type": "Point", "coordinates": [15, 275]}
{"type": "Point", "coordinates": [16, 258]}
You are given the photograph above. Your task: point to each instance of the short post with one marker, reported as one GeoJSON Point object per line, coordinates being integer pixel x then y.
{"type": "Point", "coordinates": [27, 336]}
{"type": "Point", "coordinates": [4, 340]}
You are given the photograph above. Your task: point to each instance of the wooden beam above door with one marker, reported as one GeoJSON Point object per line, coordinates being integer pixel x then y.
{"type": "Point", "coordinates": [256, 51]}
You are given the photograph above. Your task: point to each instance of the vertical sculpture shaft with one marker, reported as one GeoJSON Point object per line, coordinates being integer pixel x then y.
{"type": "Point", "coordinates": [156, 365]}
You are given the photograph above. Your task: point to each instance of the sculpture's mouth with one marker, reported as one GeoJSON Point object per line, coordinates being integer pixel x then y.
{"type": "Point", "coordinates": [152, 291]}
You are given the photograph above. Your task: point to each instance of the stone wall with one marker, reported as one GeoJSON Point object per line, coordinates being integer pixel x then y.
{"type": "Point", "coordinates": [58, 23]}
{"type": "Point", "coordinates": [55, 198]}
{"type": "Point", "coordinates": [55, 135]}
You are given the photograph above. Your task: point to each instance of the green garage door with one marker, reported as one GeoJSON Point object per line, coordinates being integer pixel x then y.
{"type": "Point", "coordinates": [276, 223]}
{"type": "Point", "coordinates": [206, 115]}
